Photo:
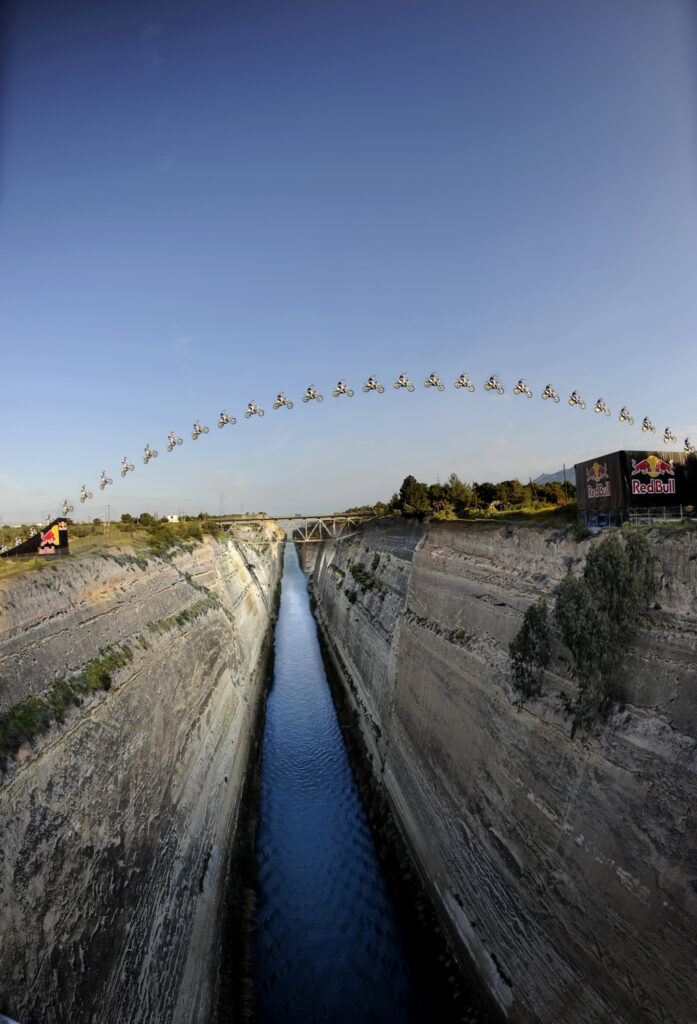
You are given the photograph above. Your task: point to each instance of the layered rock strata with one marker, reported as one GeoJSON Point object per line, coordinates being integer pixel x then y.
{"type": "Point", "coordinates": [115, 824]}
{"type": "Point", "coordinates": [564, 867]}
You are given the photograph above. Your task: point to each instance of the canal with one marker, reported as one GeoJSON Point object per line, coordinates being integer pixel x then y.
{"type": "Point", "coordinates": [327, 945]}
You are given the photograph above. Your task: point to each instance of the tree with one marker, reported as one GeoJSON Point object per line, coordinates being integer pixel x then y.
{"type": "Point", "coordinates": [127, 518]}
{"type": "Point", "coordinates": [413, 496]}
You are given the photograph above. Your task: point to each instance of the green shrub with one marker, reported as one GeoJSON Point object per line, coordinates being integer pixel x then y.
{"type": "Point", "coordinates": [530, 651]}
{"type": "Point", "coordinates": [596, 613]}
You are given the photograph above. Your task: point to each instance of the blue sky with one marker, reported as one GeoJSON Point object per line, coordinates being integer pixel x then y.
{"type": "Point", "coordinates": [202, 203]}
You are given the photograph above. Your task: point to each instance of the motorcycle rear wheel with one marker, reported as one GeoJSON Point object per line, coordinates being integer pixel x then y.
{"type": "Point", "coordinates": [277, 405]}
{"type": "Point", "coordinates": [335, 393]}
{"type": "Point", "coordinates": [556, 398]}
{"type": "Point", "coordinates": [396, 384]}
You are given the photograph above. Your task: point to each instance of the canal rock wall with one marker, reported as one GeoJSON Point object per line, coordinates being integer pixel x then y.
{"type": "Point", "coordinates": [115, 824]}
{"type": "Point", "coordinates": [564, 867]}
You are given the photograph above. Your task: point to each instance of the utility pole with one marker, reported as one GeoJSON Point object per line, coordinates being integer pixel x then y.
{"type": "Point", "coordinates": [564, 465]}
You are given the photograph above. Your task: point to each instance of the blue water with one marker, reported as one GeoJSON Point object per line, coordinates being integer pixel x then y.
{"type": "Point", "coordinates": [327, 947]}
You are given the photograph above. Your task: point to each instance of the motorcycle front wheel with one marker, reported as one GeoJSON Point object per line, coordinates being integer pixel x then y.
{"type": "Point", "coordinates": [366, 388]}
{"type": "Point", "coordinates": [410, 387]}
{"type": "Point", "coordinates": [349, 393]}
{"type": "Point", "coordinates": [335, 393]}
{"type": "Point", "coordinates": [630, 421]}
{"type": "Point", "coordinates": [441, 387]}
{"type": "Point", "coordinates": [260, 412]}
{"type": "Point", "coordinates": [146, 460]}
{"type": "Point", "coordinates": [169, 447]}
{"type": "Point", "coordinates": [487, 387]}
{"type": "Point", "coordinates": [194, 436]}
{"type": "Point", "coordinates": [470, 387]}
{"type": "Point", "coordinates": [123, 473]}
{"type": "Point", "coordinates": [277, 405]}
{"type": "Point", "coordinates": [381, 390]}
{"type": "Point", "coordinates": [320, 398]}
{"type": "Point", "coordinates": [556, 398]}
{"type": "Point", "coordinates": [221, 424]}
{"type": "Point", "coordinates": [289, 405]}
{"type": "Point", "coordinates": [205, 430]}
{"type": "Point", "coordinates": [528, 394]}
{"type": "Point", "coordinates": [396, 384]}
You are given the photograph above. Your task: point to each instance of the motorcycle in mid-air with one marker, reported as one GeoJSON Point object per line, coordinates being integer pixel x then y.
{"type": "Point", "coordinates": [126, 467]}
{"type": "Point", "coordinates": [648, 425]}
{"type": "Point", "coordinates": [434, 381]}
{"type": "Point", "coordinates": [601, 406]}
{"type": "Point", "coordinates": [689, 447]}
{"type": "Point", "coordinates": [311, 393]}
{"type": "Point", "coordinates": [372, 384]}
{"type": "Point", "coordinates": [105, 480]}
{"type": "Point", "coordinates": [342, 388]}
{"type": "Point", "coordinates": [493, 385]}
{"type": "Point", "coordinates": [625, 416]}
{"type": "Point", "coordinates": [150, 453]}
{"type": "Point", "coordinates": [198, 430]}
{"type": "Point", "coordinates": [463, 381]}
{"type": "Point", "coordinates": [85, 495]}
{"type": "Point", "coordinates": [67, 507]}
{"type": "Point", "coordinates": [403, 382]}
{"type": "Point", "coordinates": [253, 409]}
{"type": "Point", "coordinates": [522, 388]}
{"type": "Point", "coordinates": [669, 437]}
{"type": "Point", "coordinates": [173, 440]}
{"type": "Point", "coordinates": [282, 400]}
{"type": "Point", "coordinates": [225, 417]}
{"type": "Point", "coordinates": [575, 399]}
{"type": "Point", "coordinates": [549, 392]}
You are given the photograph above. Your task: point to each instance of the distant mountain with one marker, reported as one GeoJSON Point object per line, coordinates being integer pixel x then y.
{"type": "Point", "coordinates": [558, 477]}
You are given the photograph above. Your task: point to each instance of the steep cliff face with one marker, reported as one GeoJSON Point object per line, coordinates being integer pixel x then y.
{"type": "Point", "coordinates": [116, 823]}
{"type": "Point", "coordinates": [564, 866]}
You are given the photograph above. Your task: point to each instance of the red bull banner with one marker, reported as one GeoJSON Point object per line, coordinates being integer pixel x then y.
{"type": "Point", "coordinates": [627, 480]}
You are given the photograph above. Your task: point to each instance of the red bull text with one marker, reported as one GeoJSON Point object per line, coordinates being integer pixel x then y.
{"type": "Point", "coordinates": [596, 475]}
{"type": "Point", "coordinates": [655, 469]}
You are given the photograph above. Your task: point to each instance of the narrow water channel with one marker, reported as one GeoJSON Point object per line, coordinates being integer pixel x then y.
{"type": "Point", "coordinates": [327, 947]}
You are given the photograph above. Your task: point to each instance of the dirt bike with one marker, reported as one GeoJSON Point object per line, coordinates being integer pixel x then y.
{"type": "Point", "coordinates": [403, 384]}
{"type": "Point", "coordinates": [198, 431]}
{"type": "Point", "coordinates": [226, 418]}
{"type": "Point", "coordinates": [67, 507]}
{"type": "Point", "coordinates": [173, 442]}
{"type": "Point", "coordinates": [344, 390]}
{"type": "Point", "coordinates": [600, 406]}
{"type": "Point", "coordinates": [255, 410]}
{"type": "Point", "coordinates": [521, 388]}
{"type": "Point", "coordinates": [648, 425]}
{"type": "Point", "coordinates": [669, 437]}
{"type": "Point", "coordinates": [463, 381]}
{"type": "Point", "coordinates": [625, 416]}
{"type": "Point", "coordinates": [428, 383]}
{"type": "Point", "coordinates": [575, 399]}
{"type": "Point", "coordinates": [283, 401]}
{"type": "Point", "coordinates": [150, 453]}
{"type": "Point", "coordinates": [493, 385]}
{"type": "Point", "coordinates": [85, 495]}
{"type": "Point", "coordinates": [313, 394]}
{"type": "Point", "coordinates": [549, 392]}
{"type": "Point", "coordinates": [127, 468]}
{"type": "Point", "coordinates": [373, 387]}
{"type": "Point", "coordinates": [107, 480]}
{"type": "Point", "coordinates": [689, 447]}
